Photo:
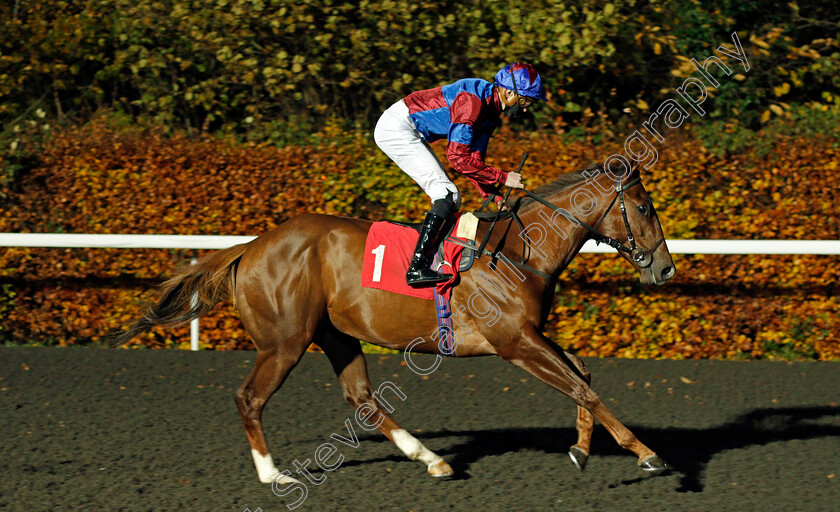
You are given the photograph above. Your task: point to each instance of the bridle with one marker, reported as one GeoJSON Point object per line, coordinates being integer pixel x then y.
{"type": "Point", "coordinates": [642, 257]}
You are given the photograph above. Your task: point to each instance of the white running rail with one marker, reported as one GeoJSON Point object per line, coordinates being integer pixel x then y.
{"type": "Point", "coordinates": [825, 247]}
{"type": "Point", "coordinates": [64, 240]}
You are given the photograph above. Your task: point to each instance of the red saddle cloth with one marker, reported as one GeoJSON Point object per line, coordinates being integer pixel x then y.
{"type": "Point", "coordinates": [389, 248]}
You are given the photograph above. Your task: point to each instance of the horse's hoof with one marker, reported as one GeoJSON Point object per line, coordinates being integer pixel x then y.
{"type": "Point", "coordinates": [279, 479]}
{"type": "Point", "coordinates": [578, 456]}
{"type": "Point", "coordinates": [441, 469]}
{"type": "Point", "coordinates": [654, 464]}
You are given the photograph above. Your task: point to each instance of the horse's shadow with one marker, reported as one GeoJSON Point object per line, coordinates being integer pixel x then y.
{"type": "Point", "coordinates": [687, 450]}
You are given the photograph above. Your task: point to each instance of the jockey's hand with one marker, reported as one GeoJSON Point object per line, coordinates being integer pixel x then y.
{"type": "Point", "coordinates": [500, 203]}
{"type": "Point", "coordinates": [514, 180]}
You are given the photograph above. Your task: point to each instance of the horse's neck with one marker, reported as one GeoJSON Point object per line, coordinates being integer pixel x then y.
{"type": "Point", "coordinates": [560, 238]}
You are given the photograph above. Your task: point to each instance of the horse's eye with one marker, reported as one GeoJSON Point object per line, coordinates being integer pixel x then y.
{"type": "Point", "coordinates": [643, 209]}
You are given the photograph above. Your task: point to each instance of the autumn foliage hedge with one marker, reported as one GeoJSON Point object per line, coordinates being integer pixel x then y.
{"type": "Point", "coordinates": [267, 67]}
{"type": "Point", "coordinates": [108, 178]}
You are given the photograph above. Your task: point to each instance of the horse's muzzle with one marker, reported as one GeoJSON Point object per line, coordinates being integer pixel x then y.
{"type": "Point", "coordinates": [644, 257]}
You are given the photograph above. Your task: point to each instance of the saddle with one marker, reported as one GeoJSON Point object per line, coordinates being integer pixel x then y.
{"type": "Point", "coordinates": [467, 228]}
{"type": "Point", "coordinates": [389, 246]}
{"type": "Point", "coordinates": [460, 232]}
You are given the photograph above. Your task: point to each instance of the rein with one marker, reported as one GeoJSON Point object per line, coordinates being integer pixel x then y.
{"type": "Point", "coordinates": [637, 254]}
{"type": "Point", "coordinates": [597, 235]}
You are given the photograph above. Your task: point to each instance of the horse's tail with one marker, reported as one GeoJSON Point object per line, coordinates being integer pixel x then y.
{"type": "Point", "coordinates": [193, 291]}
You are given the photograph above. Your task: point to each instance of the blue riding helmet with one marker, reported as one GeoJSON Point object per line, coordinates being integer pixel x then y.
{"type": "Point", "coordinates": [528, 81]}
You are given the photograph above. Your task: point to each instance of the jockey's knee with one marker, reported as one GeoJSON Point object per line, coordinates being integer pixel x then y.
{"type": "Point", "coordinates": [446, 206]}
{"type": "Point", "coordinates": [379, 135]}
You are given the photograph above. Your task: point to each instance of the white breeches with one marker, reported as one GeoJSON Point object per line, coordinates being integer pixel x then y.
{"type": "Point", "coordinates": [397, 137]}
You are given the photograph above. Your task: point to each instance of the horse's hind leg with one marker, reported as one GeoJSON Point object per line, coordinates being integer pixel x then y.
{"type": "Point", "coordinates": [579, 452]}
{"type": "Point", "coordinates": [348, 361]}
{"type": "Point", "coordinates": [270, 370]}
{"type": "Point", "coordinates": [280, 344]}
{"type": "Point", "coordinates": [542, 358]}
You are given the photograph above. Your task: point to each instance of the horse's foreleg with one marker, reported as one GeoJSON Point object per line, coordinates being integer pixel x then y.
{"type": "Point", "coordinates": [348, 361]}
{"type": "Point", "coordinates": [546, 361]}
{"type": "Point", "coordinates": [579, 452]}
{"type": "Point", "coordinates": [585, 423]}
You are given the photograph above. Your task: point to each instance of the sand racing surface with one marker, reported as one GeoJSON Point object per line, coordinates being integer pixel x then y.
{"type": "Point", "coordinates": [96, 429]}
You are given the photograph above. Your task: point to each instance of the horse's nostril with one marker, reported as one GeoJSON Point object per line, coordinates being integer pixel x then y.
{"type": "Point", "coordinates": [668, 272]}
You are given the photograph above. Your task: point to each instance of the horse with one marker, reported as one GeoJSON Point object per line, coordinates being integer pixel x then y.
{"type": "Point", "coordinates": [301, 283]}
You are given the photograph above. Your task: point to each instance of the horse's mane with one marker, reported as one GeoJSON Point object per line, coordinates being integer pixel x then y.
{"type": "Point", "coordinates": [563, 182]}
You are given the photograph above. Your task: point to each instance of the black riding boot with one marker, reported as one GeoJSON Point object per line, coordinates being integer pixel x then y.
{"type": "Point", "coordinates": [419, 273]}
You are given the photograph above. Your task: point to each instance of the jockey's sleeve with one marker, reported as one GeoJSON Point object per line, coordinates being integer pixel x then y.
{"type": "Point", "coordinates": [480, 143]}
{"type": "Point", "coordinates": [466, 147]}
{"type": "Point", "coordinates": [487, 190]}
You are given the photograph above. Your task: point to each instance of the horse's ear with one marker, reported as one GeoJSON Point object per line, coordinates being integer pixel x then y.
{"type": "Point", "coordinates": [635, 170]}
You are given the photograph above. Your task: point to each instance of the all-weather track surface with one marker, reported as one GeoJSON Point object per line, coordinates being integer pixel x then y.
{"type": "Point", "coordinates": [96, 429]}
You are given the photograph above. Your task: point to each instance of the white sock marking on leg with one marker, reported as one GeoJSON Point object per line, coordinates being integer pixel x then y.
{"type": "Point", "coordinates": [266, 470]}
{"type": "Point", "coordinates": [413, 448]}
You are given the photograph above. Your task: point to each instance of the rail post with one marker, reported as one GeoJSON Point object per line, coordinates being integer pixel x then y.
{"type": "Point", "coordinates": [194, 321]}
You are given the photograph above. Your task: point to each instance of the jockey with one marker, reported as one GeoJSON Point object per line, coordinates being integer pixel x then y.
{"type": "Point", "coordinates": [465, 113]}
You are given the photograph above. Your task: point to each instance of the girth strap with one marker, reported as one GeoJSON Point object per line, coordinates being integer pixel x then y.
{"type": "Point", "coordinates": [499, 255]}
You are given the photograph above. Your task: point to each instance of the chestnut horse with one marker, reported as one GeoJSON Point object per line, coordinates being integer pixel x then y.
{"type": "Point", "coordinates": [301, 283]}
